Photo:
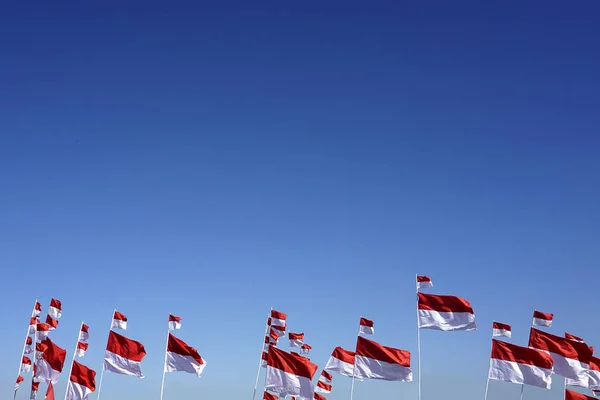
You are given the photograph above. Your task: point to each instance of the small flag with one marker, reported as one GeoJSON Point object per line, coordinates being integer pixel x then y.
{"type": "Point", "coordinates": [296, 339]}
{"type": "Point", "coordinates": [424, 282]}
{"type": "Point", "coordinates": [84, 334]}
{"type": "Point", "coordinates": [500, 329]}
{"type": "Point", "coordinates": [81, 349]}
{"type": "Point", "coordinates": [55, 310]}
{"type": "Point", "coordinates": [119, 321]}
{"type": "Point", "coordinates": [174, 322]}
{"type": "Point", "coordinates": [542, 319]}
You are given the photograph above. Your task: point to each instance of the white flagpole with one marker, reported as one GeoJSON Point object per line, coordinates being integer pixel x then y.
{"type": "Point", "coordinates": [261, 351]}
{"type": "Point", "coordinates": [162, 385]}
{"type": "Point", "coordinates": [354, 367]}
{"type": "Point", "coordinates": [487, 383]}
{"type": "Point", "coordinates": [73, 360]}
{"type": "Point", "coordinates": [523, 385]}
{"type": "Point", "coordinates": [34, 357]}
{"type": "Point", "coordinates": [418, 337]}
{"type": "Point", "coordinates": [102, 373]}
{"type": "Point", "coordinates": [23, 352]}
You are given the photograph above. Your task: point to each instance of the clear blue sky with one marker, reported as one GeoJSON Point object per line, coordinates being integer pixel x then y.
{"type": "Point", "coordinates": [214, 159]}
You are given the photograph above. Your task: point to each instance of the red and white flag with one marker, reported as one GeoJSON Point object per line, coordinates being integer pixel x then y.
{"type": "Point", "coordinates": [277, 331]}
{"type": "Point", "coordinates": [41, 331]}
{"type": "Point", "coordinates": [341, 361]}
{"type": "Point", "coordinates": [182, 357]}
{"type": "Point", "coordinates": [52, 323]}
{"type": "Point", "coordinates": [573, 337]}
{"type": "Point", "coordinates": [25, 364]}
{"type": "Point", "coordinates": [375, 361]}
{"type": "Point", "coordinates": [366, 326]}
{"type": "Point", "coordinates": [500, 329]}
{"type": "Point", "coordinates": [445, 313]}
{"type": "Point", "coordinates": [269, 396]}
{"type": "Point", "coordinates": [82, 382]}
{"type": "Point", "coordinates": [263, 360]}
{"type": "Point", "coordinates": [123, 355]}
{"type": "Point", "coordinates": [35, 386]}
{"type": "Point", "coordinates": [19, 380]}
{"type": "Point", "coordinates": [51, 362]}
{"type": "Point", "coordinates": [322, 387]}
{"type": "Point", "coordinates": [305, 348]}
{"type": "Point", "coordinates": [32, 324]}
{"type": "Point", "coordinates": [424, 282]}
{"type": "Point", "coordinates": [49, 392]}
{"type": "Point", "coordinates": [593, 375]}
{"type": "Point", "coordinates": [277, 318]}
{"type": "Point", "coordinates": [37, 309]}
{"type": "Point", "coordinates": [119, 321]}
{"type": "Point", "coordinates": [522, 365]}
{"type": "Point", "coordinates": [326, 377]}
{"type": "Point", "coordinates": [174, 322]}
{"type": "Point", "coordinates": [542, 319]}
{"type": "Point", "coordinates": [29, 345]}
{"type": "Point", "coordinates": [296, 339]}
{"type": "Point", "coordinates": [572, 395]}
{"type": "Point", "coordinates": [81, 349]}
{"type": "Point", "coordinates": [84, 333]}
{"type": "Point", "coordinates": [319, 397]}
{"type": "Point", "coordinates": [55, 310]}
{"type": "Point", "coordinates": [288, 374]}
{"type": "Point", "coordinates": [571, 358]}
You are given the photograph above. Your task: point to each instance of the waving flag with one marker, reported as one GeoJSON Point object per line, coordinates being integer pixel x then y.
{"type": "Point", "coordinates": [341, 361]}
{"type": "Point", "coordinates": [119, 321]}
{"type": "Point", "coordinates": [305, 348]}
{"type": "Point", "coordinates": [19, 380]}
{"type": "Point", "coordinates": [52, 323]}
{"type": "Point", "coordinates": [84, 334]}
{"type": "Point", "coordinates": [269, 396]}
{"type": "Point", "coordinates": [326, 377]}
{"type": "Point", "coordinates": [424, 282]}
{"type": "Point", "coordinates": [55, 310]}
{"type": "Point", "coordinates": [81, 349]}
{"type": "Point", "coordinates": [25, 364]}
{"type": "Point", "coordinates": [32, 324]}
{"type": "Point", "coordinates": [522, 365]}
{"type": "Point", "coordinates": [41, 332]}
{"type": "Point", "coordinates": [500, 329]}
{"type": "Point", "coordinates": [277, 318]}
{"type": "Point", "coordinates": [375, 361]}
{"type": "Point", "coordinates": [82, 382]}
{"type": "Point", "coordinates": [593, 376]}
{"type": "Point", "coordinates": [123, 356]}
{"type": "Point", "coordinates": [174, 322]}
{"type": "Point", "coordinates": [296, 339]}
{"type": "Point", "coordinates": [445, 313]}
{"type": "Point", "coordinates": [542, 319]}
{"type": "Point", "coordinates": [37, 309]}
{"type": "Point", "coordinates": [49, 392]}
{"type": "Point", "coordinates": [51, 362]}
{"type": "Point", "coordinates": [29, 345]}
{"type": "Point", "coordinates": [572, 395]}
{"type": "Point", "coordinates": [366, 326]}
{"type": "Point", "coordinates": [322, 387]}
{"type": "Point", "coordinates": [182, 357]}
{"type": "Point", "coordinates": [288, 374]}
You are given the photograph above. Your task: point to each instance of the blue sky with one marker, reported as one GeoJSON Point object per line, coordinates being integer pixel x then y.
{"type": "Point", "coordinates": [216, 159]}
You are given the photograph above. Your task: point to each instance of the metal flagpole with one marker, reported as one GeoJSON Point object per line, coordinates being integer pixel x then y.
{"type": "Point", "coordinates": [73, 360]}
{"type": "Point", "coordinates": [261, 351]}
{"type": "Point", "coordinates": [354, 367]}
{"type": "Point", "coordinates": [102, 373]}
{"type": "Point", "coordinates": [418, 337]}
{"type": "Point", "coordinates": [24, 346]}
{"type": "Point", "coordinates": [162, 385]}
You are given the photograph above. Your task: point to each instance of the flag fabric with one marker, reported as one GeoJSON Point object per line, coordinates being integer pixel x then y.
{"type": "Point", "coordinates": [55, 309]}
{"type": "Point", "coordinates": [288, 374]}
{"type": "Point", "coordinates": [49, 392]}
{"type": "Point", "coordinates": [366, 326]}
{"type": "Point", "coordinates": [277, 318]}
{"type": "Point", "coordinates": [41, 332]}
{"type": "Point", "coordinates": [123, 355]}
{"type": "Point", "coordinates": [263, 360]}
{"type": "Point", "coordinates": [522, 365]}
{"type": "Point", "coordinates": [319, 397]}
{"type": "Point", "coordinates": [571, 358]}
{"type": "Point", "coordinates": [593, 375]}
{"type": "Point", "coordinates": [82, 382]}
{"type": "Point", "coordinates": [424, 282]}
{"type": "Point", "coordinates": [341, 361]}
{"type": "Point", "coordinates": [305, 348]}
{"type": "Point", "coordinates": [375, 361]}
{"type": "Point", "coordinates": [445, 313]}
{"type": "Point", "coordinates": [500, 329]}
{"type": "Point", "coordinates": [277, 331]}
{"type": "Point", "coordinates": [19, 380]}
{"type": "Point", "coordinates": [37, 309]}
{"type": "Point", "coordinates": [182, 357]}
{"type": "Point", "coordinates": [174, 322]}
{"type": "Point", "coordinates": [50, 363]}
{"type": "Point", "coordinates": [81, 349]}
{"type": "Point", "coordinates": [84, 334]}
{"type": "Point", "coordinates": [572, 395]}
{"type": "Point", "coordinates": [573, 337]}
{"type": "Point", "coordinates": [322, 387]}
{"type": "Point", "coordinates": [119, 321]}
{"type": "Point", "coordinates": [35, 386]}
{"type": "Point", "coordinates": [52, 323]}
{"type": "Point", "coordinates": [28, 345]}
{"type": "Point", "coordinates": [25, 364]}
{"type": "Point", "coordinates": [542, 319]}
{"type": "Point", "coordinates": [32, 324]}
{"type": "Point", "coordinates": [326, 377]}
{"type": "Point", "coordinates": [269, 396]}
{"type": "Point", "coordinates": [296, 339]}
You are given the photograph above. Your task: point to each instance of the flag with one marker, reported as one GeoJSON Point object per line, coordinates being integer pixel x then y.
{"type": "Point", "coordinates": [52, 323]}
{"type": "Point", "coordinates": [25, 364]}
{"type": "Point", "coordinates": [55, 310]}
{"type": "Point", "coordinates": [572, 395]}
{"type": "Point", "coordinates": [119, 321]}
{"type": "Point", "coordinates": [19, 380]}
{"type": "Point", "coordinates": [322, 387]}
{"type": "Point", "coordinates": [263, 360]}
{"type": "Point", "coordinates": [41, 331]}
{"type": "Point", "coordinates": [32, 325]}
{"type": "Point", "coordinates": [500, 329]}
{"type": "Point", "coordinates": [174, 322]}
{"type": "Point", "coordinates": [305, 348]}
{"type": "Point", "coordinates": [50, 363]}
{"type": "Point", "coordinates": [573, 337]}
{"type": "Point", "coordinates": [366, 326]}
{"type": "Point", "coordinates": [277, 318]}
{"type": "Point", "coordinates": [326, 377]}
{"type": "Point", "coordinates": [35, 386]}
{"type": "Point", "coordinates": [522, 365]}
{"type": "Point", "coordinates": [182, 357]}
{"type": "Point", "coordinates": [49, 392]}
{"type": "Point", "coordinates": [319, 397]}
{"type": "Point", "coordinates": [341, 361]}
{"type": "Point", "coordinates": [375, 361]}
{"type": "Point", "coordinates": [123, 355]}
{"type": "Point", "coordinates": [296, 339]}
{"type": "Point", "coordinates": [269, 396]}
{"type": "Point", "coordinates": [28, 345]}
{"type": "Point", "coordinates": [571, 359]}
{"type": "Point", "coordinates": [445, 313]}
{"type": "Point", "coordinates": [424, 282]}
{"type": "Point", "coordinates": [37, 309]}
{"type": "Point", "coordinates": [593, 375]}
{"type": "Point", "coordinates": [84, 334]}
{"type": "Point", "coordinates": [542, 319]}
{"type": "Point", "coordinates": [288, 374]}
{"type": "Point", "coordinates": [277, 331]}
{"type": "Point", "coordinates": [82, 382]}
{"type": "Point", "coordinates": [81, 349]}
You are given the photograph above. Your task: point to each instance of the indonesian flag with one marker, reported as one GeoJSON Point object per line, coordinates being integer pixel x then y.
{"type": "Point", "coordinates": [41, 332]}
{"type": "Point", "coordinates": [500, 329]}
{"type": "Point", "coordinates": [445, 313]}
{"type": "Point", "coordinates": [53, 323]}
{"type": "Point", "coordinates": [277, 318]}
{"type": "Point", "coordinates": [32, 324]}
{"type": "Point", "coordinates": [119, 321]}
{"type": "Point", "coordinates": [123, 355]}
{"type": "Point", "coordinates": [593, 375]}
{"type": "Point", "coordinates": [35, 386]}
{"type": "Point", "coordinates": [326, 377]}
{"type": "Point", "coordinates": [542, 319]}
{"type": "Point", "coordinates": [19, 380]}
{"type": "Point", "coordinates": [319, 397]}
{"type": "Point", "coordinates": [25, 364]}
{"type": "Point", "coordinates": [28, 345]}
{"type": "Point", "coordinates": [366, 326]}
{"type": "Point", "coordinates": [305, 348]}
{"type": "Point", "coordinates": [37, 309]}
{"type": "Point", "coordinates": [571, 359]}
{"type": "Point", "coordinates": [277, 331]}
{"type": "Point", "coordinates": [81, 383]}
{"type": "Point", "coordinates": [51, 362]}
{"type": "Point", "coordinates": [573, 337]}
{"type": "Point", "coordinates": [424, 282]}
{"type": "Point", "coordinates": [49, 392]}
{"type": "Point", "coordinates": [174, 322]}
{"type": "Point", "coordinates": [374, 361]}
{"type": "Point", "coordinates": [81, 349]}
{"type": "Point", "coordinates": [322, 387]}
{"type": "Point", "coordinates": [288, 374]}
{"type": "Point", "coordinates": [182, 357]}
{"type": "Point", "coordinates": [341, 361]}
{"type": "Point", "coordinates": [571, 395]}
{"type": "Point", "coordinates": [269, 396]}
{"type": "Point", "coordinates": [55, 310]}
{"type": "Point", "coordinates": [263, 360]}
{"type": "Point", "coordinates": [296, 339]}
{"type": "Point", "coordinates": [522, 365]}
{"type": "Point", "coordinates": [84, 334]}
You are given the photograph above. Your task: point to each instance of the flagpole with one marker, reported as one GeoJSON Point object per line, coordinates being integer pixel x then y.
{"type": "Point", "coordinates": [102, 372]}
{"type": "Point", "coordinates": [532, 325]}
{"type": "Point", "coordinates": [487, 382]}
{"type": "Point", "coordinates": [261, 351]}
{"type": "Point", "coordinates": [23, 352]}
{"type": "Point", "coordinates": [162, 385]}
{"type": "Point", "coordinates": [418, 337]}
{"type": "Point", "coordinates": [73, 360]}
{"type": "Point", "coordinates": [354, 367]}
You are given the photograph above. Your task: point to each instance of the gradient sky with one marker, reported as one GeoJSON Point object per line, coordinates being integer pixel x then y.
{"type": "Point", "coordinates": [216, 159]}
